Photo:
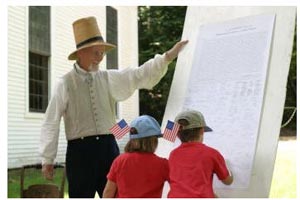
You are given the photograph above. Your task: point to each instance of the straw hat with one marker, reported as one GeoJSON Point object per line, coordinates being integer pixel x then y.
{"type": "Point", "coordinates": [87, 34]}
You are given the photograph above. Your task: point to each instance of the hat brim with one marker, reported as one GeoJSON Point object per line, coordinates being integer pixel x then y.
{"type": "Point", "coordinates": [138, 137]}
{"type": "Point", "coordinates": [207, 129]}
{"type": "Point", "coordinates": [107, 46]}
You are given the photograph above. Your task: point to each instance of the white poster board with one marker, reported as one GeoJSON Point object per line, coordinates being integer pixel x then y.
{"type": "Point", "coordinates": [226, 84]}
{"type": "Point", "coordinates": [251, 98]}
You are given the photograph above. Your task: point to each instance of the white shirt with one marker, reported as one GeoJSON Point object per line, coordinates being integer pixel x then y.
{"type": "Point", "coordinates": [122, 84]}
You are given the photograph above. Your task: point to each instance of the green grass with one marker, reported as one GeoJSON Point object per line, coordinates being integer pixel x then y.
{"type": "Point", "coordinates": [283, 183]}
{"type": "Point", "coordinates": [284, 177]}
{"type": "Point", "coordinates": [32, 176]}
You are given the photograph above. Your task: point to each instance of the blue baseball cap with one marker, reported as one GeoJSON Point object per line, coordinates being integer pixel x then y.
{"type": "Point", "coordinates": [145, 126]}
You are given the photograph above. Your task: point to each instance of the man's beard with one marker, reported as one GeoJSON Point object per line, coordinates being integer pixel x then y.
{"type": "Point", "coordinates": [93, 68]}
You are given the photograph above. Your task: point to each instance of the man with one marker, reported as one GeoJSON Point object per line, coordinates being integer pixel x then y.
{"type": "Point", "coordinates": [86, 98]}
{"type": "Point", "coordinates": [193, 164]}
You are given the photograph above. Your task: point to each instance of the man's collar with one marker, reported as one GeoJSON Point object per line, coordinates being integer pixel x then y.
{"type": "Point", "coordinates": [83, 72]}
{"type": "Point", "coordinates": [85, 75]}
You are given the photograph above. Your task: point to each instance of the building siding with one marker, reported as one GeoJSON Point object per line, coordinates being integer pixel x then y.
{"type": "Point", "coordinates": [24, 127]}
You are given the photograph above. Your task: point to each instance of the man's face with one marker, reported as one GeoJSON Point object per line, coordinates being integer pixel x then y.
{"type": "Point", "coordinates": [91, 57]}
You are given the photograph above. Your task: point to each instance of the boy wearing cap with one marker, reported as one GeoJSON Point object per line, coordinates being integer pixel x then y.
{"type": "Point", "coordinates": [85, 97]}
{"type": "Point", "coordinates": [193, 164]}
{"type": "Point", "coordinates": [138, 173]}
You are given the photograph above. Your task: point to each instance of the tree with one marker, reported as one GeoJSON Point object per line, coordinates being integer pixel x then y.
{"type": "Point", "coordinates": [160, 27]}
{"type": "Point", "coordinates": [291, 93]}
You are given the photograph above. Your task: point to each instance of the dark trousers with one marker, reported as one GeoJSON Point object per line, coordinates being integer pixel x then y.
{"type": "Point", "coordinates": [88, 161]}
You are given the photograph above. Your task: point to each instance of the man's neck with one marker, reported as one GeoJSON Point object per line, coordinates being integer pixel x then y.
{"type": "Point", "coordinates": [79, 68]}
{"type": "Point", "coordinates": [85, 68]}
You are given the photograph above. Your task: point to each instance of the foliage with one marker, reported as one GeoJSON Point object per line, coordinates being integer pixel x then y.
{"type": "Point", "coordinates": [160, 27]}
{"type": "Point", "coordinates": [291, 93]}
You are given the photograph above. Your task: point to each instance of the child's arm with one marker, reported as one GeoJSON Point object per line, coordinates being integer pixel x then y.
{"type": "Point", "coordinates": [229, 179]}
{"type": "Point", "coordinates": [110, 190]}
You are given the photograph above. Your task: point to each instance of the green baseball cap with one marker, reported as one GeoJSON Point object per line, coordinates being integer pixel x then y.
{"type": "Point", "coordinates": [195, 120]}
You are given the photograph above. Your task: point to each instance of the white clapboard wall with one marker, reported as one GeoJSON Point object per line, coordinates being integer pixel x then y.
{"type": "Point", "coordinates": [273, 99]}
{"type": "Point", "coordinates": [23, 126]}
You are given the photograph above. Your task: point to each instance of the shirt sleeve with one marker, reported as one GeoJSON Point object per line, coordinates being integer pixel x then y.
{"type": "Point", "coordinates": [50, 127]}
{"type": "Point", "coordinates": [123, 83]}
{"type": "Point", "coordinates": [220, 167]}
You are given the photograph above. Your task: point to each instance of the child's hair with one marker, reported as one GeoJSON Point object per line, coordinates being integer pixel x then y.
{"type": "Point", "coordinates": [187, 135]}
{"type": "Point", "coordinates": [146, 144]}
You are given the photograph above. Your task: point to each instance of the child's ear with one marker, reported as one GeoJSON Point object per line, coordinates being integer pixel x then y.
{"type": "Point", "coordinates": [201, 130]}
{"type": "Point", "coordinates": [179, 131]}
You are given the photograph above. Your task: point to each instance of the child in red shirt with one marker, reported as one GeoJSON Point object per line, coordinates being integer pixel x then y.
{"type": "Point", "coordinates": [138, 172]}
{"type": "Point", "coordinates": [193, 164]}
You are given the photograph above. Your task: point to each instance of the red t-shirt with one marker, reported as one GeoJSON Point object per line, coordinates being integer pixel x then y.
{"type": "Point", "coordinates": [139, 175]}
{"type": "Point", "coordinates": [192, 166]}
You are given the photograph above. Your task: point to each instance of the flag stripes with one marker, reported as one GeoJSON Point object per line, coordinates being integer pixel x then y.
{"type": "Point", "coordinates": [120, 129]}
{"type": "Point", "coordinates": [170, 131]}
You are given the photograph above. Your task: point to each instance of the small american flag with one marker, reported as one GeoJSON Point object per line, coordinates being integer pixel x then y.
{"type": "Point", "coordinates": [170, 131]}
{"type": "Point", "coordinates": [120, 129]}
